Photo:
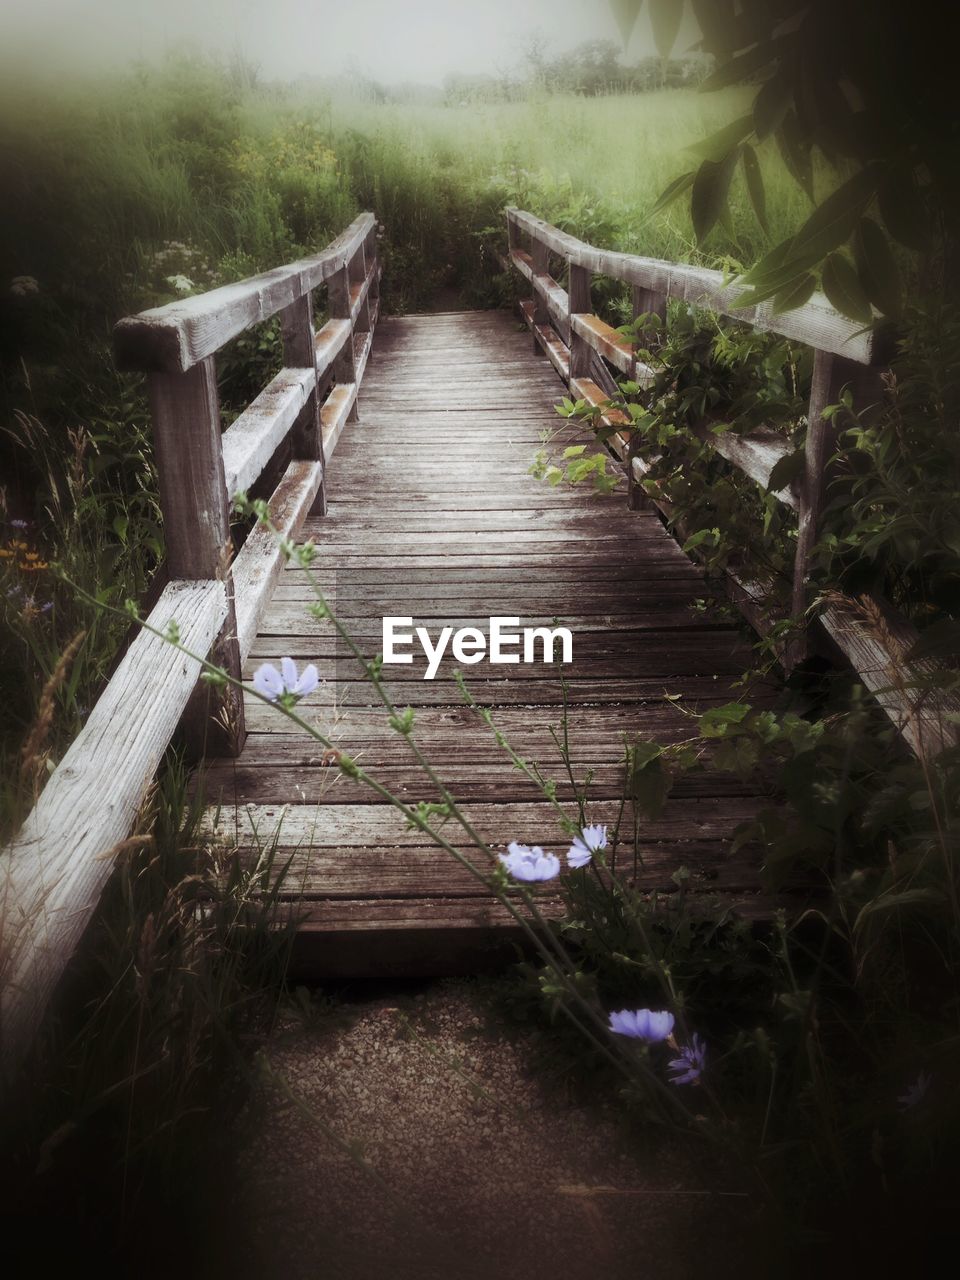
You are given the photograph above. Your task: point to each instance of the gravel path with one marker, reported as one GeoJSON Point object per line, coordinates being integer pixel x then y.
{"type": "Point", "coordinates": [402, 1136]}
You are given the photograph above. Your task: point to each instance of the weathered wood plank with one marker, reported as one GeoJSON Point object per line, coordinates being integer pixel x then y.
{"type": "Point", "coordinates": [605, 340]}
{"type": "Point", "coordinates": [56, 869]}
{"type": "Point", "coordinates": [336, 413]}
{"type": "Point", "coordinates": [816, 323]}
{"type": "Point", "coordinates": [177, 336]}
{"type": "Point", "coordinates": [260, 560]}
{"type": "Point", "coordinates": [196, 528]}
{"type": "Point", "coordinates": [253, 438]}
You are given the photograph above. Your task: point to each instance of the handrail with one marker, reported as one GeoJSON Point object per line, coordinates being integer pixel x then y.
{"type": "Point", "coordinates": [55, 871]}
{"type": "Point", "coordinates": [173, 338]}
{"type": "Point", "coordinates": [582, 347]}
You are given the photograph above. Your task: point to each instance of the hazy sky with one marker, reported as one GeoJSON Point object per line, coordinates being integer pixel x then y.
{"type": "Point", "coordinates": [390, 40]}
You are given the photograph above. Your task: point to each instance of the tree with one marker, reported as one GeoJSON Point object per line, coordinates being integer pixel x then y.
{"type": "Point", "coordinates": [868, 85]}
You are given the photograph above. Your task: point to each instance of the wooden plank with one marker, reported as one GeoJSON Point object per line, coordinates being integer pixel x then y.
{"type": "Point", "coordinates": [755, 455]}
{"type": "Point", "coordinates": [340, 826]}
{"type": "Point", "coordinates": [55, 870]}
{"type": "Point", "coordinates": [258, 565]}
{"type": "Point", "coordinates": [875, 640]}
{"type": "Point", "coordinates": [605, 340]}
{"type": "Point", "coordinates": [336, 413]}
{"type": "Point", "coordinates": [175, 337]}
{"type": "Point", "coordinates": [554, 347]}
{"type": "Point", "coordinates": [330, 341]}
{"type": "Point", "coordinates": [253, 438]}
{"type": "Point", "coordinates": [362, 345]}
{"type": "Point", "coordinates": [359, 295]}
{"type": "Point", "coordinates": [816, 323]}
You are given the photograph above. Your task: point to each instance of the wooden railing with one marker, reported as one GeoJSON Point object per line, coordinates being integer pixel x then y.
{"type": "Point", "coordinates": [52, 877]}
{"type": "Point", "coordinates": [588, 354]}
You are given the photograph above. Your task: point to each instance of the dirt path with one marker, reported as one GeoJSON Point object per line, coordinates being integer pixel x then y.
{"type": "Point", "coordinates": [435, 1151]}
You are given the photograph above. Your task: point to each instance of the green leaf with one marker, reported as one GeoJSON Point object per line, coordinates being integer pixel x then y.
{"type": "Point", "coordinates": [710, 189]}
{"type": "Point", "coordinates": [733, 70]}
{"type": "Point", "coordinates": [574, 450]}
{"type": "Point", "coordinates": [786, 470]}
{"type": "Point", "coordinates": [795, 295]}
{"type": "Point", "coordinates": [771, 105]}
{"type": "Point", "coordinates": [626, 13]}
{"type": "Point", "coordinates": [665, 19]}
{"type": "Point", "coordinates": [755, 189]}
{"type": "Point", "coordinates": [877, 268]}
{"type": "Point", "coordinates": [795, 150]}
{"type": "Point", "coordinates": [903, 209]}
{"type": "Point", "coordinates": [843, 289]}
{"type": "Point", "coordinates": [833, 221]}
{"type": "Point", "coordinates": [716, 146]}
{"type": "Point", "coordinates": [676, 189]}
{"type": "Point", "coordinates": [715, 722]}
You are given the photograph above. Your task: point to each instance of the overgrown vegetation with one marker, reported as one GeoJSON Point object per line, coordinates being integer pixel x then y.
{"type": "Point", "coordinates": [831, 1040]}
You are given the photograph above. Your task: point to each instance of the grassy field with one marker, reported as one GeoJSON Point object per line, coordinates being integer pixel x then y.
{"type": "Point", "coordinates": [125, 194]}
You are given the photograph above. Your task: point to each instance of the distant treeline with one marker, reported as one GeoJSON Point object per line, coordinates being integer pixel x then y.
{"type": "Point", "coordinates": [592, 69]}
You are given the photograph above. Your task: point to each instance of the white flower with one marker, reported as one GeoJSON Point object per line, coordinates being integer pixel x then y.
{"type": "Point", "coordinates": [590, 841]}
{"type": "Point", "coordinates": [180, 283]}
{"type": "Point", "coordinates": [524, 863]}
{"type": "Point", "coordinates": [21, 286]}
{"type": "Point", "coordinates": [287, 682]}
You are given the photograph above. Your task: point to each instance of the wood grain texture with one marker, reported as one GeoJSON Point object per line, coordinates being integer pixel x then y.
{"type": "Point", "coordinates": [816, 323]}
{"type": "Point", "coordinates": [196, 530]}
{"type": "Point", "coordinates": [55, 870]}
{"type": "Point", "coordinates": [454, 408]}
{"type": "Point", "coordinates": [260, 560]}
{"type": "Point", "coordinates": [177, 336]}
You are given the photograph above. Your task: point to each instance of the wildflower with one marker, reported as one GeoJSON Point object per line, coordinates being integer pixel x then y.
{"type": "Point", "coordinates": [18, 524]}
{"type": "Point", "coordinates": [590, 841]}
{"type": "Point", "coordinates": [285, 683]}
{"type": "Point", "coordinates": [524, 863]}
{"type": "Point", "coordinates": [21, 286]}
{"type": "Point", "coordinates": [688, 1066]}
{"type": "Point", "coordinates": [916, 1092]}
{"type": "Point", "coordinates": [642, 1024]}
{"type": "Point", "coordinates": [180, 283]}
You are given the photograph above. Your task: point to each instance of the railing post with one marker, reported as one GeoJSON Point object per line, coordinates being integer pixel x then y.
{"type": "Point", "coordinates": [371, 257]}
{"type": "Point", "coordinates": [648, 302]}
{"type": "Point", "coordinates": [540, 257]}
{"type": "Point", "coordinates": [196, 524]}
{"type": "Point", "coordinates": [830, 372]}
{"type": "Point", "coordinates": [338, 304]}
{"type": "Point", "coordinates": [357, 272]}
{"type": "Point", "coordinates": [578, 303]}
{"type": "Point", "coordinates": [300, 352]}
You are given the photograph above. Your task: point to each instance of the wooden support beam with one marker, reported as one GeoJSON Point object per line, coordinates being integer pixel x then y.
{"type": "Point", "coordinates": [196, 528]}
{"type": "Point", "coordinates": [339, 306]}
{"type": "Point", "coordinates": [578, 303]}
{"type": "Point", "coordinates": [300, 352]}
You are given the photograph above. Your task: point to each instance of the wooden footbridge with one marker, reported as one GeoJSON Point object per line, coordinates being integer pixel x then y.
{"type": "Point", "coordinates": [417, 493]}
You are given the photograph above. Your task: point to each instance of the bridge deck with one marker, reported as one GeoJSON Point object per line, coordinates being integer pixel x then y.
{"type": "Point", "coordinates": [432, 514]}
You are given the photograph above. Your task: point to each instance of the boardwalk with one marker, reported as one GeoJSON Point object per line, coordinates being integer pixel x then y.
{"type": "Point", "coordinates": [433, 514]}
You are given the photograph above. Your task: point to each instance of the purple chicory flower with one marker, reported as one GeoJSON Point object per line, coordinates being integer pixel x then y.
{"type": "Point", "coordinates": [642, 1024]}
{"type": "Point", "coordinates": [916, 1092]}
{"type": "Point", "coordinates": [18, 524]}
{"type": "Point", "coordinates": [287, 682]}
{"type": "Point", "coordinates": [524, 863]}
{"type": "Point", "coordinates": [590, 841]}
{"type": "Point", "coordinates": [688, 1066]}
